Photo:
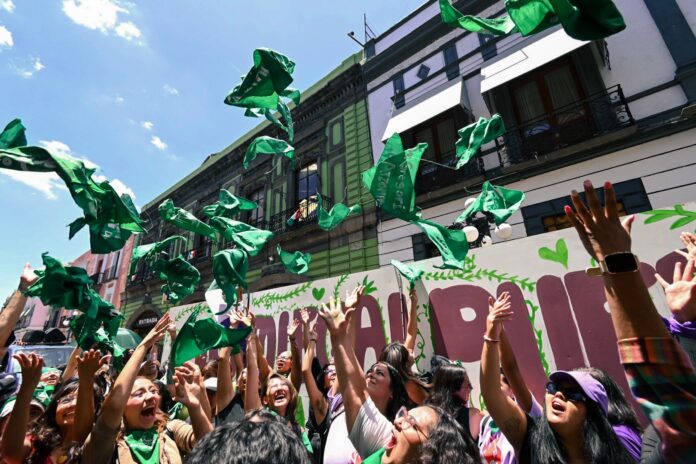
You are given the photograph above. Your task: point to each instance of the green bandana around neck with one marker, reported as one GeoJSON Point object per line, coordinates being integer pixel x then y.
{"type": "Point", "coordinates": [144, 445]}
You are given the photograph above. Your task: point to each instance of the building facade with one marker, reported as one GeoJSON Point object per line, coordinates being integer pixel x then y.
{"type": "Point", "coordinates": [619, 109]}
{"type": "Point", "coordinates": [332, 146]}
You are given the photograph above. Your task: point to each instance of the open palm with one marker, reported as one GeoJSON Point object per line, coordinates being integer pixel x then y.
{"type": "Point", "coordinates": [681, 293]}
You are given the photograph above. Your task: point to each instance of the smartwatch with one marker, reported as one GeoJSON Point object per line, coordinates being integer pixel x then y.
{"type": "Point", "coordinates": [615, 263]}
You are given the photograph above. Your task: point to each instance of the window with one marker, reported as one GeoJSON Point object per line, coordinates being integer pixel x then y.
{"type": "Point", "coordinates": [423, 72]}
{"type": "Point", "coordinates": [549, 216]}
{"type": "Point", "coordinates": [338, 180]}
{"type": "Point", "coordinates": [307, 182]}
{"type": "Point", "coordinates": [423, 248]}
{"type": "Point", "coordinates": [488, 48]}
{"type": "Point", "coordinates": [399, 97]}
{"type": "Point", "coordinates": [440, 133]}
{"type": "Point", "coordinates": [256, 216]}
{"type": "Point", "coordinates": [451, 62]}
{"type": "Point", "coordinates": [335, 133]}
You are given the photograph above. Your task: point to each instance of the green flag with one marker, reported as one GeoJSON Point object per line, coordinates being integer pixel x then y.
{"type": "Point", "coordinates": [411, 274]}
{"type": "Point", "coordinates": [497, 26]}
{"type": "Point", "coordinates": [474, 135]}
{"type": "Point", "coordinates": [13, 135]}
{"type": "Point", "coordinates": [61, 286]}
{"type": "Point", "coordinates": [391, 181]}
{"type": "Point", "coordinates": [294, 263]}
{"type": "Point", "coordinates": [230, 269]}
{"type": "Point", "coordinates": [185, 220]}
{"type": "Point", "coordinates": [228, 205]}
{"type": "Point", "coordinates": [265, 145]}
{"type": "Point", "coordinates": [180, 276]}
{"type": "Point", "coordinates": [16, 155]}
{"type": "Point", "coordinates": [498, 201]}
{"type": "Point", "coordinates": [247, 237]}
{"type": "Point", "coordinates": [197, 337]}
{"type": "Point", "coordinates": [332, 219]}
{"type": "Point", "coordinates": [151, 250]}
{"type": "Point", "coordinates": [452, 244]}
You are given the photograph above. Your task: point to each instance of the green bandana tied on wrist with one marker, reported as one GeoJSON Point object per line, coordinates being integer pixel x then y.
{"type": "Point", "coordinates": [452, 244]}
{"type": "Point", "coordinates": [144, 445]}
{"type": "Point", "coordinates": [247, 237]}
{"type": "Point", "coordinates": [229, 269]}
{"type": "Point", "coordinates": [185, 220]}
{"type": "Point", "coordinates": [411, 274]}
{"type": "Point", "coordinates": [228, 205]}
{"type": "Point", "coordinates": [197, 337]}
{"type": "Point", "coordinates": [474, 135]}
{"type": "Point", "coordinates": [181, 278]}
{"type": "Point", "coordinates": [332, 219]}
{"type": "Point", "coordinates": [294, 263]}
{"type": "Point", "coordinates": [498, 201]}
{"type": "Point", "coordinates": [265, 145]}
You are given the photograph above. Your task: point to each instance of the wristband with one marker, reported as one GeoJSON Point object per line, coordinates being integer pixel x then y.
{"type": "Point", "coordinates": [489, 339]}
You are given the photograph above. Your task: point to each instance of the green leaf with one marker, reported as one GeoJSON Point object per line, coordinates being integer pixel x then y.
{"type": "Point", "coordinates": [682, 222]}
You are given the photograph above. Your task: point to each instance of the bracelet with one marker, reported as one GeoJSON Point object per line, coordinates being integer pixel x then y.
{"type": "Point", "coordinates": [489, 339]}
{"type": "Point", "coordinates": [313, 340]}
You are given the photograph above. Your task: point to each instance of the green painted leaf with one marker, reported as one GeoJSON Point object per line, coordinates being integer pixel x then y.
{"type": "Point", "coordinates": [682, 222]}
{"type": "Point", "coordinates": [318, 293]}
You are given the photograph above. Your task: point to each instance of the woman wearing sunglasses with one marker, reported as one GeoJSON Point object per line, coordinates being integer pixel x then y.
{"type": "Point", "coordinates": [574, 427]}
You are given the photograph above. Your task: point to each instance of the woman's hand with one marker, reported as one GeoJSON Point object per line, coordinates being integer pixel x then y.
{"type": "Point", "coordinates": [89, 363]}
{"type": "Point", "coordinates": [157, 332]}
{"type": "Point", "coordinates": [187, 385]}
{"type": "Point", "coordinates": [312, 329]}
{"type": "Point", "coordinates": [304, 315]}
{"type": "Point", "coordinates": [31, 365]}
{"type": "Point", "coordinates": [689, 241]}
{"type": "Point", "coordinates": [292, 329]}
{"type": "Point", "coordinates": [681, 293]}
{"type": "Point", "coordinates": [600, 229]}
{"type": "Point", "coordinates": [28, 278]}
{"type": "Point", "coordinates": [353, 298]}
{"type": "Point", "coordinates": [498, 312]}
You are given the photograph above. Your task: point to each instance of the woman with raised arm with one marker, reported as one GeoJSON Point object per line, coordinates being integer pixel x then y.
{"type": "Point", "coordinates": [131, 428]}
{"type": "Point", "coordinates": [58, 433]}
{"type": "Point", "coordinates": [574, 427]}
{"type": "Point", "coordinates": [421, 435]}
{"type": "Point", "coordinates": [230, 401]}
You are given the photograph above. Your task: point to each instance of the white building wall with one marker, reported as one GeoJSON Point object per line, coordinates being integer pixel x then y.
{"type": "Point", "coordinates": [688, 8]}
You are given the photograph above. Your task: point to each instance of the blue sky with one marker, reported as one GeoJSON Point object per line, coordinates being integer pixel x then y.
{"type": "Point", "coordinates": [137, 89]}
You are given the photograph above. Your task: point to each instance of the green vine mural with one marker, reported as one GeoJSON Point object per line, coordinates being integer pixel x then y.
{"type": "Point", "coordinates": [337, 289]}
{"type": "Point", "coordinates": [537, 335]}
{"type": "Point", "coordinates": [682, 216]}
{"type": "Point", "coordinates": [271, 298]}
{"type": "Point", "coordinates": [473, 273]}
{"type": "Point", "coordinates": [420, 339]}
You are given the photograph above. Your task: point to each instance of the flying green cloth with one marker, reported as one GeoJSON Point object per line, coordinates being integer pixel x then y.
{"type": "Point", "coordinates": [185, 220]}
{"type": "Point", "coordinates": [13, 135]}
{"type": "Point", "coordinates": [230, 269]}
{"type": "Point", "coordinates": [498, 201]}
{"type": "Point", "coordinates": [247, 237]}
{"type": "Point", "coordinates": [474, 135]}
{"type": "Point", "coordinates": [151, 250]}
{"type": "Point", "coordinates": [411, 274]}
{"type": "Point", "coordinates": [89, 334]}
{"type": "Point", "coordinates": [197, 337]}
{"type": "Point", "coordinates": [452, 244]}
{"type": "Point", "coordinates": [229, 205]}
{"type": "Point", "coordinates": [61, 286]}
{"type": "Point", "coordinates": [181, 277]}
{"type": "Point", "coordinates": [391, 181]}
{"type": "Point", "coordinates": [332, 219]}
{"type": "Point", "coordinates": [452, 17]}
{"type": "Point", "coordinates": [265, 145]}
{"type": "Point", "coordinates": [16, 155]}
{"type": "Point", "coordinates": [294, 263]}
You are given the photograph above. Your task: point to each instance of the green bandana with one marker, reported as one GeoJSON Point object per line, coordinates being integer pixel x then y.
{"type": "Point", "coordinates": [294, 263]}
{"type": "Point", "coordinates": [15, 155]}
{"type": "Point", "coordinates": [229, 269]}
{"type": "Point", "coordinates": [144, 445]}
{"type": "Point", "coordinates": [181, 278]}
{"type": "Point", "coordinates": [61, 286]}
{"type": "Point", "coordinates": [452, 17]}
{"type": "Point", "coordinates": [498, 201]}
{"type": "Point", "coordinates": [338, 214]}
{"type": "Point", "coordinates": [392, 179]}
{"type": "Point", "coordinates": [452, 244]}
{"type": "Point", "coordinates": [265, 145]}
{"type": "Point", "coordinates": [42, 393]}
{"type": "Point", "coordinates": [411, 274]}
{"type": "Point", "coordinates": [474, 135]}
{"type": "Point", "coordinates": [197, 337]}
{"type": "Point", "coordinates": [151, 250]}
{"type": "Point", "coordinates": [185, 220]}
{"type": "Point", "coordinates": [249, 238]}
{"type": "Point", "coordinates": [228, 205]}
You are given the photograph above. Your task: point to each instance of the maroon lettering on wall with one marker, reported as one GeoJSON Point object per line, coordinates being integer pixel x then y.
{"type": "Point", "coordinates": [454, 337]}
{"type": "Point", "coordinates": [283, 322]}
{"type": "Point", "coordinates": [396, 305]}
{"type": "Point", "coordinates": [665, 265]}
{"type": "Point", "coordinates": [559, 324]}
{"type": "Point", "coordinates": [521, 335]}
{"type": "Point", "coordinates": [267, 336]}
{"type": "Point", "coordinates": [373, 335]}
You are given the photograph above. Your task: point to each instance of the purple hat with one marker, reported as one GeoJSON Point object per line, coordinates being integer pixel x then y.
{"type": "Point", "coordinates": [589, 385]}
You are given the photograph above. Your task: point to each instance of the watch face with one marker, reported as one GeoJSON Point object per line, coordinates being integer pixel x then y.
{"type": "Point", "coordinates": [621, 262]}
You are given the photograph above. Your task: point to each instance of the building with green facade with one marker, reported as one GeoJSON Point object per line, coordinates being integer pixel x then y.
{"type": "Point", "coordinates": [332, 144]}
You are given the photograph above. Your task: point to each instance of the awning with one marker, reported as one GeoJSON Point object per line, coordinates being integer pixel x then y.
{"type": "Point", "coordinates": [532, 56]}
{"type": "Point", "coordinates": [420, 111]}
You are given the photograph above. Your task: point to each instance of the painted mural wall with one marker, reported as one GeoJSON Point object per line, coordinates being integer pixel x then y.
{"type": "Point", "coordinates": [560, 321]}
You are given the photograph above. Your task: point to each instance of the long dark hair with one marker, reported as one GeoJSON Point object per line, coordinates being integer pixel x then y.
{"type": "Point", "coordinates": [448, 380]}
{"type": "Point", "coordinates": [600, 443]}
{"type": "Point", "coordinates": [620, 411]}
{"type": "Point", "coordinates": [448, 442]}
{"type": "Point", "coordinates": [46, 432]}
{"type": "Point", "coordinates": [397, 355]}
{"type": "Point", "coordinates": [399, 395]}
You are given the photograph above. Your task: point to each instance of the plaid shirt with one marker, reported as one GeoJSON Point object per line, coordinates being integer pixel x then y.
{"type": "Point", "coordinates": [664, 383]}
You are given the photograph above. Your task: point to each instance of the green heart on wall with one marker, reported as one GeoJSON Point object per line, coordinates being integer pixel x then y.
{"type": "Point", "coordinates": [318, 293]}
{"type": "Point", "coordinates": [559, 255]}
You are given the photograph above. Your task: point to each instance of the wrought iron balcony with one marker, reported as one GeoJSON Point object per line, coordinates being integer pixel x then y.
{"type": "Point", "coordinates": [599, 114]}
{"type": "Point", "coordinates": [432, 177]}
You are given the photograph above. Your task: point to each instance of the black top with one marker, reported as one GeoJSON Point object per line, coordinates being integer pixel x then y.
{"type": "Point", "coordinates": [233, 412]}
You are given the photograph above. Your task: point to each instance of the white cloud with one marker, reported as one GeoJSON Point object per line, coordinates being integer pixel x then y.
{"type": "Point", "coordinates": [60, 148]}
{"type": "Point", "coordinates": [158, 143]}
{"type": "Point", "coordinates": [119, 100]}
{"type": "Point", "coordinates": [128, 31]}
{"type": "Point", "coordinates": [117, 184]}
{"type": "Point", "coordinates": [26, 68]}
{"type": "Point", "coordinates": [6, 40]}
{"type": "Point", "coordinates": [7, 5]}
{"type": "Point", "coordinates": [102, 15]}
{"type": "Point", "coordinates": [147, 125]}
{"type": "Point", "coordinates": [44, 182]}
{"type": "Point", "coordinates": [170, 90]}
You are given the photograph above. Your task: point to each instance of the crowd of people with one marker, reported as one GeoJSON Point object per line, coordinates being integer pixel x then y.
{"type": "Point", "coordinates": [241, 409]}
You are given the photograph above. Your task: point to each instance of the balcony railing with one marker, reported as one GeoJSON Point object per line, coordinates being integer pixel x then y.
{"type": "Point", "coordinates": [599, 114]}
{"type": "Point", "coordinates": [432, 177]}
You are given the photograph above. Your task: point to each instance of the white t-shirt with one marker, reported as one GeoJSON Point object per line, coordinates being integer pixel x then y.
{"type": "Point", "coordinates": [339, 449]}
{"type": "Point", "coordinates": [371, 431]}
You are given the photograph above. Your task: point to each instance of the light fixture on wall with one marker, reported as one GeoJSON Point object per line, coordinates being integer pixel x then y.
{"type": "Point", "coordinates": [477, 228]}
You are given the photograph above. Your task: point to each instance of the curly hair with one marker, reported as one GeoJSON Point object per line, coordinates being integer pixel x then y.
{"type": "Point", "coordinates": [448, 442]}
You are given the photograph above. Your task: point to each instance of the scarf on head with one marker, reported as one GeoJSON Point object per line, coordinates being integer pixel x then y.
{"type": "Point", "coordinates": [144, 445]}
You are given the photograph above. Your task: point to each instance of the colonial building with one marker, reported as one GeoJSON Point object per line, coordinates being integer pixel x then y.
{"type": "Point", "coordinates": [332, 145]}
{"type": "Point", "coordinates": [620, 109]}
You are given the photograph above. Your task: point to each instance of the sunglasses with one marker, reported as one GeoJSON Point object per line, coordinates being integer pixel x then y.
{"type": "Point", "coordinates": [575, 396]}
{"type": "Point", "coordinates": [408, 421]}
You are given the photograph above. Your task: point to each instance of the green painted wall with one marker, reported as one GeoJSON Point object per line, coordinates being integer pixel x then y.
{"type": "Point", "coordinates": [358, 152]}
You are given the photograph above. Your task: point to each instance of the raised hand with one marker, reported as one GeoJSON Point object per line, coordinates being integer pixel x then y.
{"type": "Point", "coordinates": [312, 328]}
{"type": "Point", "coordinates": [681, 293]}
{"type": "Point", "coordinates": [89, 363]}
{"type": "Point", "coordinates": [187, 384]}
{"type": "Point", "coordinates": [304, 314]}
{"type": "Point", "coordinates": [353, 298]}
{"type": "Point", "coordinates": [336, 320]}
{"type": "Point", "coordinates": [241, 316]}
{"type": "Point", "coordinates": [599, 228]}
{"type": "Point", "coordinates": [498, 312]}
{"type": "Point", "coordinates": [413, 295]}
{"type": "Point", "coordinates": [28, 278]}
{"type": "Point", "coordinates": [689, 241]}
{"type": "Point", "coordinates": [293, 328]}
{"type": "Point", "coordinates": [157, 332]}
{"type": "Point", "coordinates": [31, 365]}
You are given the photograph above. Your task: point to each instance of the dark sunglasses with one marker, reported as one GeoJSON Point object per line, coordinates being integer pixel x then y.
{"type": "Point", "coordinates": [575, 396]}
